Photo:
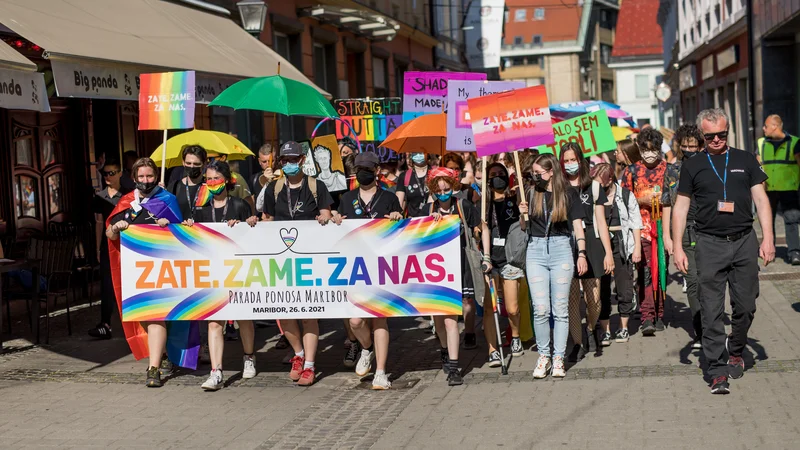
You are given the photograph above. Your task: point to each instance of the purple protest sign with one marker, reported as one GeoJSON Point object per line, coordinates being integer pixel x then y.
{"type": "Point", "coordinates": [426, 92]}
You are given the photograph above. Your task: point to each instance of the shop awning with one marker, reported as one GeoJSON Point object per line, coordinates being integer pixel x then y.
{"type": "Point", "coordinates": [21, 86]}
{"type": "Point", "coordinates": [118, 38]}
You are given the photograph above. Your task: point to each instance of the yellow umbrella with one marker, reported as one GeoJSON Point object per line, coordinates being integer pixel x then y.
{"type": "Point", "coordinates": [213, 141]}
{"type": "Point", "coordinates": [621, 133]}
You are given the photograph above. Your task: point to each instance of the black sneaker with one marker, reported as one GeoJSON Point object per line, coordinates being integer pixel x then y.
{"type": "Point", "coordinates": [494, 359]}
{"type": "Point", "coordinates": [622, 336]}
{"type": "Point", "coordinates": [470, 341]}
{"type": "Point", "coordinates": [153, 377]}
{"type": "Point", "coordinates": [166, 367]}
{"type": "Point", "coordinates": [660, 325]}
{"type": "Point", "coordinates": [454, 377]}
{"type": "Point", "coordinates": [605, 340]}
{"type": "Point", "coordinates": [516, 347]}
{"type": "Point", "coordinates": [282, 343]}
{"type": "Point", "coordinates": [648, 329]}
{"type": "Point", "coordinates": [231, 333]}
{"type": "Point", "coordinates": [735, 367]}
{"type": "Point", "coordinates": [697, 343]}
{"type": "Point", "coordinates": [353, 353]}
{"type": "Point", "coordinates": [101, 331]}
{"type": "Point", "coordinates": [795, 259]}
{"type": "Point", "coordinates": [720, 385]}
{"type": "Point", "coordinates": [577, 354]}
{"type": "Point", "coordinates": [445, 360]}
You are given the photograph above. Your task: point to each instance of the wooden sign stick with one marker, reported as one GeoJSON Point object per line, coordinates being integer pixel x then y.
{"type": "Point", "coordinates": [520, 186]}
{"type": "Point", "coordinates": [483, 188]}
{"type": "Point", "coordinates": [163, 160]}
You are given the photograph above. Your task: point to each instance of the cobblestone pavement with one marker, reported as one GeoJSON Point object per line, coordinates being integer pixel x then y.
{"type": "Point", "coordinates": [650, 392]}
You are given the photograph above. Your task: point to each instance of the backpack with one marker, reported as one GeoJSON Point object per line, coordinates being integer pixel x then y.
{"type": "Point", "coordinates": [280, 183]}
{"type": "Point", "coordinates": [626, 196]}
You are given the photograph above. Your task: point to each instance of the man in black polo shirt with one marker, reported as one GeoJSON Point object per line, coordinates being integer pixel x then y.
{"type": "Point", "coordinates": [724, 182]}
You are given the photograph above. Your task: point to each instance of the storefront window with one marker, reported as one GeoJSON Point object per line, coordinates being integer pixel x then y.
{"type": "Point", "coordinates": [49, 154]}
{"type": "Point", "coordinates": [55, 204]}
{"type": "Point", "coordinates": [26, 197]}
{"type": "Point", "coordinates": [23, 151]}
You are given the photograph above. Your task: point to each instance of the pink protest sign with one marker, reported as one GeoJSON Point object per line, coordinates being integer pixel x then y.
{"type": "Point", "coordinates": [426, 92]}
{"type": "Point", "coordinates": [511, 121]}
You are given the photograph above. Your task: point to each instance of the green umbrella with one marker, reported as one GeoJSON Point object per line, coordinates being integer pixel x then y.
{"type": "Point", "coordinates": [276, 94]}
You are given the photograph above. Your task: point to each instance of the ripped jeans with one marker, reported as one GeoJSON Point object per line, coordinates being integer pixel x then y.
{"type": "Point", "coordinates": [549, 270]}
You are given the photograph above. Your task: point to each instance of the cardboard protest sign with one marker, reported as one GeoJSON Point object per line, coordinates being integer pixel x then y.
{"type": "Point", "coordinates": [592, 131]}
{"type": "Point", "coordinates": [459, 125]}
{"type": "Point", "coordinates": [362, 268]}
{"type": "Point", "coordinates": [328, 160]}
{"type": "Point", "coordinates": [426, 92]}
{"type": "Point", "coordinates": [166, 101]}
{"type": "Point", "coordinates": [510, 121]}
{"type": "Point", "coordinates": [372, 119]}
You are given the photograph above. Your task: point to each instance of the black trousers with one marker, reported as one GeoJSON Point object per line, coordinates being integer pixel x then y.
{"type": "Point", "coordinates": [725, 264]}
{"type": "Point", "coordinates": [623, 277]}
{"type": "Point", "coordinates": [791, 217]}
{"type": "Point", "coordinates": [691, 281]}
{"type": "Point", "coordinates": [108, 300]}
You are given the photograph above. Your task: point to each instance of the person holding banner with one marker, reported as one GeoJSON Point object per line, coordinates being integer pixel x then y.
{"type": "Point", "coordinates": [215, 205]}
{"type": "Point", "coordinates": [412, 190]}
{"type": "Point", "coordinates": [599, 257]}
{"type": "Point", "coordinates": [625, 225]}
{"type": "Point", "coordinates": [503, 213]}
{"type": "Point", "coordinates": [441, 183]}
{"type": "Point", "coordinates": [298, 197]}
{"type": "Point", "coordinates": [549, 263]}
{"type": "Point", "coordinates": [185, 189]}
{"type": "Point", "coordinates": [149, 204]}
{"type": "Point", "coordinates": [370, 202]}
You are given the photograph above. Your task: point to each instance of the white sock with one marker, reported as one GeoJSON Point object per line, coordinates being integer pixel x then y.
{"type": "Point", "coordinates": [308, 365]}
{"type": "Point", "coordinates": [302, 354]}
{"type": "Point", "coordinates": [380, 372]}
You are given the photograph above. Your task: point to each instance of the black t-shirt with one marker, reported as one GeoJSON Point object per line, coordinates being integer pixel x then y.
{"type": "Point", "coordinates": [416, 192]}
{"type": "Point", "coordinates": [143, 217]}
{"type": "Point", "coordinates": [537, 225]}
{"type": "Point", "coordinates": [104, 205]}
{"type": "Point", "coordinates": [185, 202]}
{"type": "Point", "coordinates": [382, 204]}
{"type": "Point", "coordinates": [502, 214]}
{"type": "Point", "coordinates": [238, 209]}
{"type": "Point", "coordinates": [699, 180]}
{"type": "Point", "coordinates": [255, 185]}
{"type": "Point", "coordinates": [302, 201]}
{"type": "Point", "coordinates": [586, 199]}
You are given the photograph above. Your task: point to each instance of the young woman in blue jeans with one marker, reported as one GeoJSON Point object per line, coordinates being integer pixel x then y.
{"type": "Point", "coordinates": [550, 263]}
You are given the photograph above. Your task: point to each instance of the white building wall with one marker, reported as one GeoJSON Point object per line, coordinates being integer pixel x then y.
{"type": "Point", "coordinates": [644, 105]}
{"type": "Point", "coordinates": [699, 21]}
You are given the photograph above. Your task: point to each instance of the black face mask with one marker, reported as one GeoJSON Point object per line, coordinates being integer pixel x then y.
{"type": "Point", "coordinates": [500, 183]}
{"type": "Point", "coordinates": [146, 188]}
{"type": "Point", "coordinates": [192, 172]}
{"type": "Point", "coordinates": [539, 182]}
{"type": "Point", "coordinates": [365, 177]}
{"type": "Point", "coordinates": [689, 155]}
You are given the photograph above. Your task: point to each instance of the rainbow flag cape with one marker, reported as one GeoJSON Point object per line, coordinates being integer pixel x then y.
{"type": "Point", "coordinates": [183, 338]}
{"type": "Point", "coordinates": [383, 183]}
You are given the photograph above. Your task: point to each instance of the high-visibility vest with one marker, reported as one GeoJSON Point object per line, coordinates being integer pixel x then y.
{"type": "Point", "coordinates": [779, 164]}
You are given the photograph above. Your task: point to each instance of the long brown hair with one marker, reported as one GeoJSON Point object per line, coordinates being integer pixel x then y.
{"type": "Point", "coordinates": [558, 184]}
{"type": "Point", "coordinates": [584, 180]}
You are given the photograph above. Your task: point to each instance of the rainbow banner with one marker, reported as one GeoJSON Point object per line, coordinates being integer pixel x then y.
{"type": "Point", "coordinates": [510, 121]}
{"type": "Point", "coordinates": [291, 270]}
{"type": "Point", "coordinates": [166, 100]}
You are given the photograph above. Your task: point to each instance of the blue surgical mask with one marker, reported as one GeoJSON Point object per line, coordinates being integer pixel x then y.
{"type": "Point", "coordinates": [418, 158]}
{"type": "Point", "coordinates": [444, 197]}
{"type": "Point", "coordinates": [572, 168]}
{"type": "Point", "coordinates": [291, 169]}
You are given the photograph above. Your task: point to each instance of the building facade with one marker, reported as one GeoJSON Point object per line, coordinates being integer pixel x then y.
{"type": "Point", "coordinates": [637, 59]}
{"type": "Point", "coordinates": [566, 47]}
{"type": "Point", "coordinates": [713, 59]}
{"type": "Point", "coordinates": [669, 108]}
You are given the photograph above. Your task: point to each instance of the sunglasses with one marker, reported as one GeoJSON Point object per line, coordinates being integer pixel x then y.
{"type": "Point", "coordinates": [722, 135]}
{"type": "Point", "coordinates": [110, 173]}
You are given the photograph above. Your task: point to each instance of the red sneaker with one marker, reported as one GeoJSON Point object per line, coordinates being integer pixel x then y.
{"type": "Point", "coordinates": [306, 377]}
{"type": "Point", "coordinates": [297, 367]}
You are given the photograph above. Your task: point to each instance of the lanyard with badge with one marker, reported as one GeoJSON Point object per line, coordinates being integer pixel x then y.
{"type": "Point", "coordinates": [192, 204]}
{"type": "Point", "coordinates": [289, 197]}
{"type": "Point", "coordinates": [224, 211]}
{"type": "Point", "coordinates": [722, 205]}
{"type": "Point", "coordinates": [360, 204]}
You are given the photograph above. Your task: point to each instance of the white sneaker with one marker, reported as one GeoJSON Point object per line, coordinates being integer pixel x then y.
{"type": "Point", "coordinates": [249, 370]}
{"type": "Point", "coordinates": [364, 363]}
{"type": "Point", "coordinates": [558, 367]}
{"type": "Point", "coordinates": [214, 381]}
{"type": "Point", "coordinates": [204, 356]}
{"type": "Point", "coordinates": [543, 366]}
{"type": "Point", "coordinates": [381, 382]}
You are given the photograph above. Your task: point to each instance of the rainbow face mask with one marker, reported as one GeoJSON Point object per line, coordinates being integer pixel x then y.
{"type": "Point", "coordinates": [216, 186]}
